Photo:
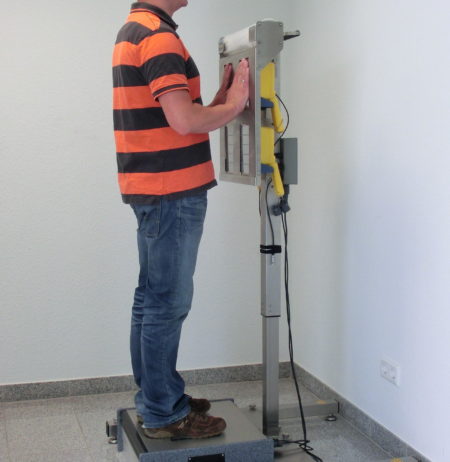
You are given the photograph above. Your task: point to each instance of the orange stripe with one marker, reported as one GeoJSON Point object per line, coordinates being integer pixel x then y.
{"type": "Point", "coordinates": [141, 97]}
{"type": "Point", "coordinates": [148, 20]}
{"type": "Point", "coordinates": [159, 44]}
{"type": "Point", "coordinates": [133, 98]}
{"type": "Point", "coordinates": [167, 81]}
{"type": "Point", "coordinates": [129, 54]}
{"type": "Point", "coordinates": [125, 53]}
{"type": "Point", "coordinates": [166, 182]}
{"type": "Point", "coordinates": [156, 139]}
{"type": "Point", "coordinates": [194, 87]}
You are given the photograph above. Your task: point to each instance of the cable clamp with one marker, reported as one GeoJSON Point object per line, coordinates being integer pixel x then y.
{"type": "Point", "coordinates": [270, 249]}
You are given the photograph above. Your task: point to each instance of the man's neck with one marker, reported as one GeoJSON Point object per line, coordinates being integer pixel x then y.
{"type": "Point", "coordinates": [160, 4]}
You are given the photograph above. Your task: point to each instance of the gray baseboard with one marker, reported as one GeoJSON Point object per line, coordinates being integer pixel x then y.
{"type": "Point", "coordinates": [93, 386]}
{"type": "Point", "coordinates": [365, 424]}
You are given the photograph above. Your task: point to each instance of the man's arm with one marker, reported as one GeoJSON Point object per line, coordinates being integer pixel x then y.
{"type": "Point", "coordinates": [186, 117]}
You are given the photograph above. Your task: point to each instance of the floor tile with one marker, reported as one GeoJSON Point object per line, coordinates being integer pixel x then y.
{"type": "Point", "coordinates": [76, 455]}
{"type": "Point", "coordinates": [39, 434]}
{"type": "Point", "coordinates": [3, 444]}
{"type": "Point", "coordinates": [36, 408]}
{"type": "Point", "coordinates": [93, 427]}
{"type": "Point", "coordinates": [109, 402]}
{"type": "Point", "coordinates": [246, 393]}
{"type": "Point", "coordinates": [104, 453]}
{"type": "Point", "coordinates": [336, 441]}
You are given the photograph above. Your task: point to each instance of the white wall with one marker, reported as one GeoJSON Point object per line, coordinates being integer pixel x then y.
{"type": "Point", "coordinates": [370, 101]}
{"type": "Point", "coordinates": [68, 257]}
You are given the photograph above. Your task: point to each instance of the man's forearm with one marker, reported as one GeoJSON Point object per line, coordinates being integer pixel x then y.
{"type": "Point", "coordinates": [185, 117]}
{"type": "Point", "coordinates": [204, 119]}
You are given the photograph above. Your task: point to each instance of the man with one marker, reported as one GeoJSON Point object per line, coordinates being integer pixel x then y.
{"type": "Point", "coordinates": [165, 169]}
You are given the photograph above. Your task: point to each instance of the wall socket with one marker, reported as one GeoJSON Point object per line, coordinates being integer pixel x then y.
{"type": "Point", "coordinates": [390, 371]}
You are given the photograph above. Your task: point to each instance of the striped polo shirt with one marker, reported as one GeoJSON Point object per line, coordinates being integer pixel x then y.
{"type": "Point", "coordinates": [154, 160]}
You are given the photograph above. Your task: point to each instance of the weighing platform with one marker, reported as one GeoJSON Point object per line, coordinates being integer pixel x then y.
{"type": "Point", "coordinates": [241, 441]}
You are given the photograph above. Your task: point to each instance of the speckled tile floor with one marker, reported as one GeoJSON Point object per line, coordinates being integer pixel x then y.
{"type": "Point", "coordinates": [73, 429]}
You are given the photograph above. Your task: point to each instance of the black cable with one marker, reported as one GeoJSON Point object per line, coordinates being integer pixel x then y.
{"type": "Point", "coordinates": [287, 123]}
{"type": "Point", "coordinates": [303, 444]}
{"type": "Point", "coordinates": [268, 212]}
{"type": "Point", "coordinates": [259, 201]}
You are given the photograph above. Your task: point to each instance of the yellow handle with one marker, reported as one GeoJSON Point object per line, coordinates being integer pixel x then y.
{"type": "Point", "coordinates": [268, 92]}
{"type": "Point", "coordinates": [268, 158]}
{"type": "Point", "coordinates": [268, 133]}
{"type": "Point", "coordinates": [277, 117]}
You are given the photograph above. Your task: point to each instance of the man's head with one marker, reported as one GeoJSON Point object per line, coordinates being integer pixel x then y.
{"type": "Point", "coordinates": [169, 6]}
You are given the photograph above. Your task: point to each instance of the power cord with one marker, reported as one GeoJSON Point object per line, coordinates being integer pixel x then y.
{"type": "Point", "coordinates": [268, 212]}
{"type": "Point", "coordinates": [304, 443]}
{"type": "Point", "coordinates": [287, 122]}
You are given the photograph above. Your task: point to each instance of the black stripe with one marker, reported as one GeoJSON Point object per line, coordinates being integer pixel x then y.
{"type": "Point", "coordinates": [170, 87]}
{"type": "Point", "coordinates": [154, 68]}
{"type": "Point", "coordinates": [191, 69]}
{"type": "Point", "coordinates": [161, 65]}
{"type": "Point", "coordinates": [152, 199]}
{"type": "Point", "coordinates": [139, 119]}
{"type": "Point", "coordinates": [135, 32]}
{"type": "Point", "coordinates": [164, 161]}
{"type": "Point", "coordinates": [128, 76]}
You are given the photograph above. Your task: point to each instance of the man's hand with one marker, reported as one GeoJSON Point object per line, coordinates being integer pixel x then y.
{"type": "Point", "coordinates": [238, 93]}
{"type": "Point", "coordinates": [221, 95]}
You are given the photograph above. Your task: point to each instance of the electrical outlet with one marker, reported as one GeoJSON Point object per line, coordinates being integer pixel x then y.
{"type": "Point", "coordinates": [390, 371]}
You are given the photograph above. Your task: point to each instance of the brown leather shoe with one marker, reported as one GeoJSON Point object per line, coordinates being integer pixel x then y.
{"type": "Point", "coordinates": [193, 426]}
{"type": "Point", "coordinates": [198, 405]}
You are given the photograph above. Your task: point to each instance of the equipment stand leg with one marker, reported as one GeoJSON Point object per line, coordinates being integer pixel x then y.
{"type": "Point", "coordinates": [270, 376]}
{"type": "Point", "coordinates": [270, 305]}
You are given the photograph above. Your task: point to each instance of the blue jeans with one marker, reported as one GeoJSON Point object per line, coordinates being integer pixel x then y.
{"type": "Point", "coordinates": [168, 238]}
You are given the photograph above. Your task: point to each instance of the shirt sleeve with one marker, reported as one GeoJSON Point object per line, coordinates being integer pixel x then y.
{"type": "Point", "coordinates": [164, 65]}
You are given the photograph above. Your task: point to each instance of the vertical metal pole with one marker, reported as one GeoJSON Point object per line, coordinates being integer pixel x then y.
{"type": "Point", "coordinates": [270, 307]}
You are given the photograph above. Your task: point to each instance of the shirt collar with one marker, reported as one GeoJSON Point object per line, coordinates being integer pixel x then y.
{"type": "Point", "coordinates": [155, 10]}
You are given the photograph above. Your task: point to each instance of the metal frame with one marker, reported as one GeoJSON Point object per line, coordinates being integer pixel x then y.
{"type": "Point", "coordinates": [263, 45]}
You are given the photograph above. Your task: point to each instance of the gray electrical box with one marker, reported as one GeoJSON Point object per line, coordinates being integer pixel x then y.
{"type": "Point", "coordinates": [289, 150]}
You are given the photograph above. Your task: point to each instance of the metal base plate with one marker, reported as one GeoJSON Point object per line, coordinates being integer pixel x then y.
{"type": "Point", "coordinates": [402, 459]}
{"type": "Point", "coordinates": [241, 441]}
{"type": "Point", "coordinates": [291, 411]}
